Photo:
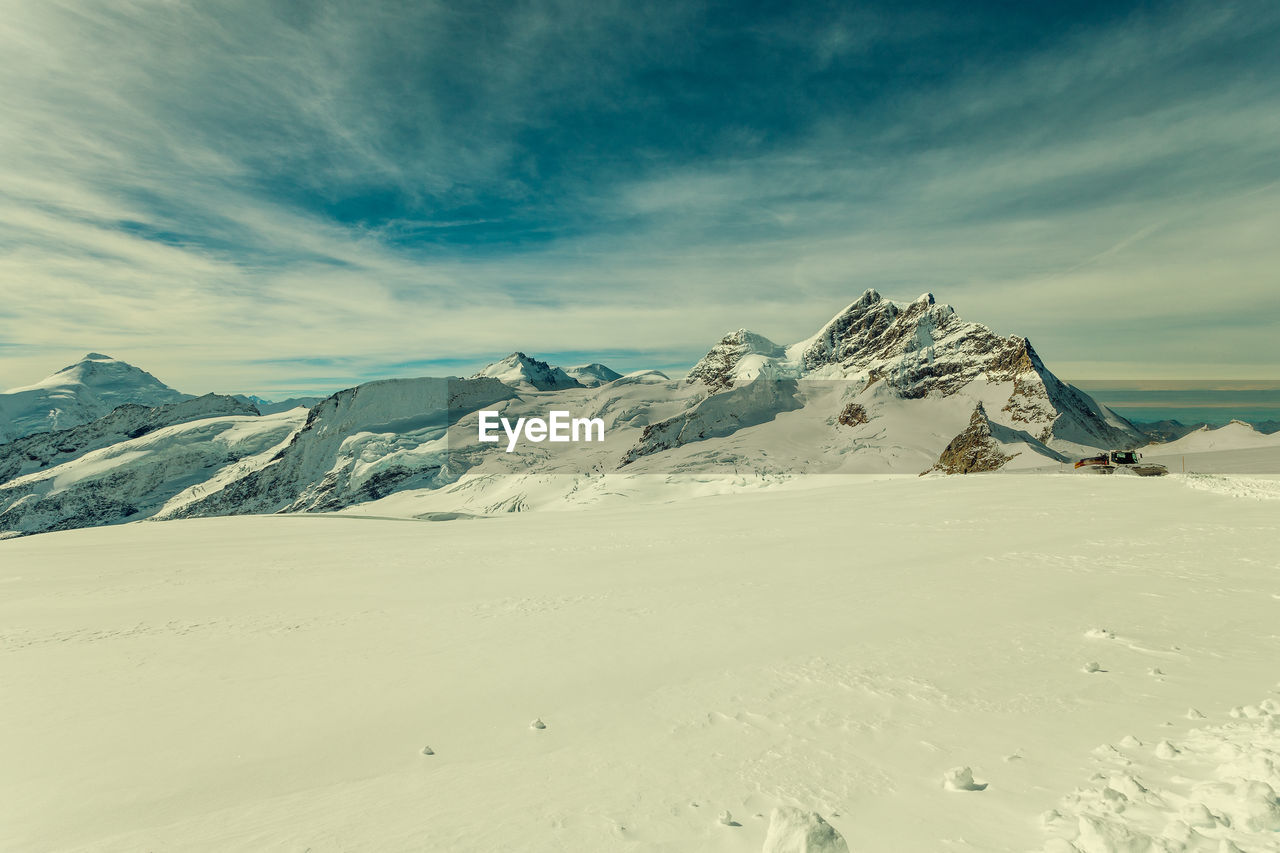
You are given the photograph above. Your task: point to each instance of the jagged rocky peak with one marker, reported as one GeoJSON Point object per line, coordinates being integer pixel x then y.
{"type": "Point", "coordinates": [721, 366]}
{"type": "Point", "coordinates": [974, 450]}
{"type": "Point", "coordinates": [919, 349]}
{"type": "Point", "coordinates": [873, 327]}
{"type": "Point", "coordinates": [522, 371]}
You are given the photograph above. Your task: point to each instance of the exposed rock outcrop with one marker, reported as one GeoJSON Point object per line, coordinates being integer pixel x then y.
{"type": "Point", "coordinates": [853, 415]}
{"type": "Point", "coordinates": [973, 450]}
{"type": "Point", "coordinates": [981, 447]}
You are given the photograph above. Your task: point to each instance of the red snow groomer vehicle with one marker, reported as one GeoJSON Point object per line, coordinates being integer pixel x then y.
{"type": "Point", "coordinates": [1122, 461]}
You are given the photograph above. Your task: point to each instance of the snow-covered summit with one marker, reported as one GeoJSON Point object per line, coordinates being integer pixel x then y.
{"type": "Point", "coordinates": [79, 393]}
{"type": "Point", "coordinates": [593, 375]}
{"type": "Point", "coordinates": [920, 349]}
{"type": "Point", "coordinates": [738, 357]}
{"type": "Point", "coordinates": [521, 371]}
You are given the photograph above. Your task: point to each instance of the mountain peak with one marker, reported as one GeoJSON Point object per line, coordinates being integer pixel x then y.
{"type": "Point", "coordinates": [79, 393]}
{"type": "Point", "coordinates": [734, 358]}
{"type": "Point", "coordinates": [520, 370]}
{"type": "Point", "coordinates": [593, 375]}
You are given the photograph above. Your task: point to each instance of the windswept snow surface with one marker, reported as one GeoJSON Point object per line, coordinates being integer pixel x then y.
{"type": "Point", "coordinates": [273, 683]}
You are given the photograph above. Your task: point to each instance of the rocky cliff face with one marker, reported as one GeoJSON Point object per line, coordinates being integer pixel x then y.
{"type": "Point", "coordinates": [988, 446]}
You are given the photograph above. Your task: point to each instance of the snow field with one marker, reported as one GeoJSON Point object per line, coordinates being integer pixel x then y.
{"type": "Point", "coordinates": [270, 682]}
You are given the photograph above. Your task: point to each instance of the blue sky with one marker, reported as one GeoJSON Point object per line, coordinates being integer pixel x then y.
{"type": "Point", "coordinates": [284, 197]}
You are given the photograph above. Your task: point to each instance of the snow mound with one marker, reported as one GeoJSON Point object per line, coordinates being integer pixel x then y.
{"type": "Point", "coordinates": [1236, 487]}
{"type": "Point", "coordinates": [1220, 794]}
{"type": "Point", "coordinates": [797, 831]}
{"type": "Point", "coordinates": [961, 779]}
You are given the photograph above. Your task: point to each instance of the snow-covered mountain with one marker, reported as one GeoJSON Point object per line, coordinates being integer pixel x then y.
{"type": "Point", "coordinates": [79, 393]}
{"type": "Point", "coordinates": [922, 349]}
{"type": "Point", "coordinates": [140, 477]}
{"type": "Point", "coordinates": [521, 371]}
{"type": "Point", "coordinates": [358, 445]}
{"type": "Point", "coordinates": [883, 387]}
{"type": "Point", "coordinates": [45, 449]}
{"type": "Point", "coordinates": [1236, 435]}
{"type": "Point", "coordinates": [592, 375]}
{"type": "Point", "coordinates": [899, 364]}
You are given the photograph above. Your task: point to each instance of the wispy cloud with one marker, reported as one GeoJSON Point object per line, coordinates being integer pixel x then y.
{"type": "Point", "coordinates": [278, 197]}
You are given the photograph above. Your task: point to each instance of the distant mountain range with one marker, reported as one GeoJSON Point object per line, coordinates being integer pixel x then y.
{"type": "Point", "coordinates": [883, 387]}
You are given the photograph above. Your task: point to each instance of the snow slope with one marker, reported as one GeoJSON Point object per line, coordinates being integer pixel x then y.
{"type": "Point", "coordinates": [270, 683]}
{"type": "Point", "coordinates": [357, 445]}
{"type": "Point", "coordinates": [1236, 448]}
{"type": "Point", "coordinates": [1236, 435]}
{"type": "Point", "coordinates": [40, 450]}
{"type": "Point", "coordinates": [82, 392]}
{"type": "Point", "coordinates": [134, 479]}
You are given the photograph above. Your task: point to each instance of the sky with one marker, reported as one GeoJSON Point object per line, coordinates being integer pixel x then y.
{"type": "Point", "coordinates": [281, 197]}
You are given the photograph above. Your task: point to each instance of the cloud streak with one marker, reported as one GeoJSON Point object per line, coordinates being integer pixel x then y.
{"type": "Point", "coordinates": [285, 197]}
